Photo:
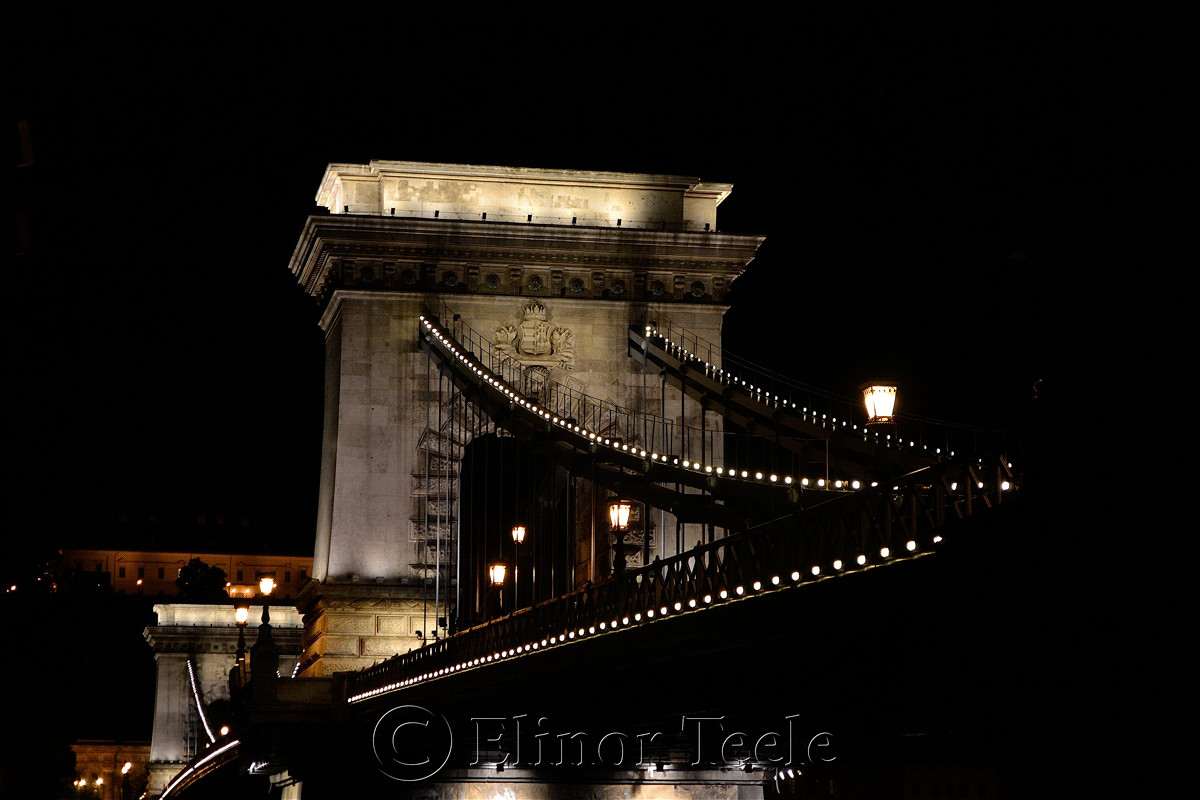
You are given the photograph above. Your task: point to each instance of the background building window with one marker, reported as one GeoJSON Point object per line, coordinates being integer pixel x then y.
{"type": "Point", "coordinates": [160, 573]}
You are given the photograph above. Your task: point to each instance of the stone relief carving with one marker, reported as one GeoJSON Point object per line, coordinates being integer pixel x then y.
{"type": "Point", "coordinates": [419, 531]}
{"type": "Point", "coordinates": [424, 485]}
{"type": "Point", "coordinates": [440, 508]}
{"type": "Point", "coordinates": [534, 340]}
{"type": "Point", "coordinates": [442, 465]}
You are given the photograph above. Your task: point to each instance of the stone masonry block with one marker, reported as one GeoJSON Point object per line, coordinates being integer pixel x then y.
{"type": "Point", "coordinates": [347, 623]}
{"type": "Point", "coordinates": [393, 625]}
{"type": "Point", "coordinates": [387, 645]}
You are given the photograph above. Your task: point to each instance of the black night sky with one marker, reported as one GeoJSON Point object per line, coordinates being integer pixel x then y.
{"type": "Point", "coordinates": [944, 172]}
{"type": "Point", "coordinates": [894, 164]}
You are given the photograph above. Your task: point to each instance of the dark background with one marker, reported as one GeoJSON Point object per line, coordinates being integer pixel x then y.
{"type": "Point", "coordinates": [933, 185]}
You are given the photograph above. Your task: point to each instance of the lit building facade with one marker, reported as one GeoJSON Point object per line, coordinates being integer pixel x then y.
{"type": "Point", "coordinates": [113, 770]}
{"type": "Point", "coordinates": [155, 573]}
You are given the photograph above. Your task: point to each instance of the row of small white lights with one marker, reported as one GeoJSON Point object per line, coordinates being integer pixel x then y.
{"type": "Point", "coordinates": [766, 397]}
{"type": "Point", "coordinates": [181, 777]}
{"type": "Point", "coordinates": [616, 445]}
{"type": "Point", "coordinates": [591, 630]}
{"type": "Point", "coordinates": [843, 485]}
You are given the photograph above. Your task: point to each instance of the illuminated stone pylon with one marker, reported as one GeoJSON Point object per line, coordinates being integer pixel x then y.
{"type": "Point", "coordinates": [206, 636]}
{"type": "Point", "coordinates": [552, 266]}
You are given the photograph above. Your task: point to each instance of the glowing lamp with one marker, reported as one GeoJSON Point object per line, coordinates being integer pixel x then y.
{"type": "Point", "coordinates": [618, 514]}
{"type": "Point", "coordinates": [242, 614]}
{"type": "Point", "coordinates": [881, 403]}
{"type": "Point", "coordinates": [496, 573]}
{"type": "Point", "coordinates": [518, 533]}
{"type": "Point", "coordinates": [266, 583]}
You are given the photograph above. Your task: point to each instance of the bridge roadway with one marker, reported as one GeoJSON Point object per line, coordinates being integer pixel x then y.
{"type": "Point", "coordinates": [865, 658]}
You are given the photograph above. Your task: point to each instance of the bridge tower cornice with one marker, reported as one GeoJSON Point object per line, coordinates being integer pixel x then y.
{"type": "Point", "coordinates": [497, 258]}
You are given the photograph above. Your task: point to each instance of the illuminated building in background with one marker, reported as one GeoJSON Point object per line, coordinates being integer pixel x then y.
{"type": "Point", "coordinates": [113, 770]}
{"type": "Point", "coordinates": [155, 573]}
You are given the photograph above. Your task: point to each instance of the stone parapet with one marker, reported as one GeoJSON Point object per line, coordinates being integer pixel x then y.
{"type": "Point", "coordinates": [547, 196]}
{"type": "Point", "coordinates": [350, 626]}
{"type": "Point", "coordinates": [197, 628]}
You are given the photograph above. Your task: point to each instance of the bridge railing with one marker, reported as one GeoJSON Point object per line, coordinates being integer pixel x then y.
{"type": "Point", "coordinates": [872, 528]}
{"type": "Point", "coordinates": [778, 390]}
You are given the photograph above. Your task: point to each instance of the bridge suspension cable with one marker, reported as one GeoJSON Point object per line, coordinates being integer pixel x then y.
{"type": "Point", "coordinates": [796, 458]}
{"type": "Point", "coordinates": [487, 378]}
{"type": "Point", "coordinates": [854, 449]}
{"type": "Point", "coordinates": [784, 392]}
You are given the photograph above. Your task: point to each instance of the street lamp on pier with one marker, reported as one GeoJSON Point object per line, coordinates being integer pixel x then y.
{"type": "Point", "coordinates": [518, 535]}
{"type": "Point", "coordinates": [497, 571]}
{"type": "Point", "coordinates": [618, 518]}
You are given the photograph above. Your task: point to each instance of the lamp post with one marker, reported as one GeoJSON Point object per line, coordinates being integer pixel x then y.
{"type": "Point", "coordinates": [880, 400]}
{"type": "Point", "coordinates": [264, 653]}
{"type": "Point", "coordinates": [237, 675]}
{"type": "Point", "coordinates": [518, 535]}
{"type": "Point", "coordinates": [497, 571]}
{"type": "Point", "coordinates": [618, 520]}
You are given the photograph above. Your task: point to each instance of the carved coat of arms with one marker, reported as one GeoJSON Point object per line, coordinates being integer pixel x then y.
{"type": "Point", "coordinates": [534, 340]}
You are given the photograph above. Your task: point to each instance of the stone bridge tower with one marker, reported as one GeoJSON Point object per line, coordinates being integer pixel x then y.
{"type": "Point", "coordinates": [195, 646]}
{"type": "Point", "coordinates": [553, 265]}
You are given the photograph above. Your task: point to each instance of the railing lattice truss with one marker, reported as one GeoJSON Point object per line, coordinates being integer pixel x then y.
{"type": "Point", "coordinates": [870, 528]}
